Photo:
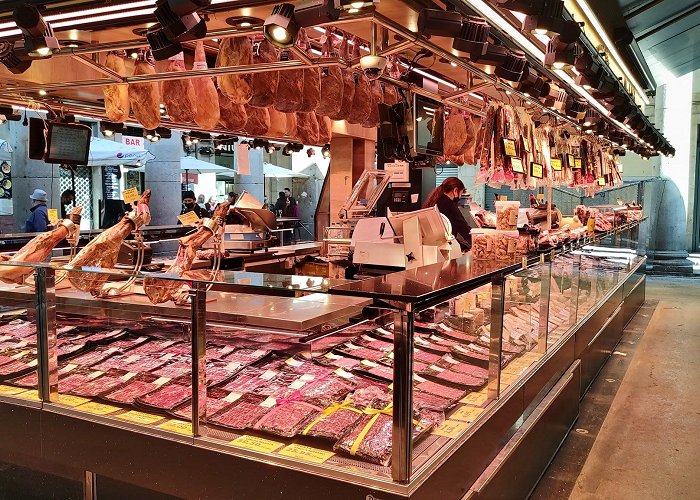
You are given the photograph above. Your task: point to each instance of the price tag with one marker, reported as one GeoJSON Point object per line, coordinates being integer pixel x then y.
{"type": "Point", "coordinates": [268, 375]}
{"type": "Point", "coordinates": [31, 395]}
{"type": "Point", "coordinates": [342, 373]}
{"type": "Point", "coordinates": [466, 414]}
{"type": "Point", "coordinates": [6, 390]}
{"type": "Point", "coordinates": [540, 196]}
{"type": "Point", "coordinates": [294, 362]}
{"type": "Point", "coordinates": [139, 417]}
{"type": "Point", "coordinates": [556, 164]}
{"type": "Point", "coordinates": [297, 384]}
{"type": "Point", "coordinates": [536, 170]}
{"type": "Point", "coordinates": [307, 377]}
{"type": "Point", "coordinates": [53, 215]}
{"type": "Point", "coordinates": [189, 218]}
{"type": "Point", "coordinates": [601, 181]}
{"type": "Point", "coordinates": [179, 426]}
{"type": "Point", "coordinates": [570, 160]}
{"type": "Point", "coordinates": [450, 429]}
{"type": "Point", "coordinates": [130, 195]}
{"type": "Point", "coordinates": [526, 144]}
{"type": "Point", "coordinates": [269, 402]}
{"type": "Point", "coordinates": [160, 381]}
{"type": "Point", "coordinates": [98, 408]}
{"type": "Point", "coordinates": [256, 444]}
{"type": "Point", "coordinates": [474, 398]}
{"type": "Point", "coordinates": [517, 165]}
{"type": "Point", "coordinates": [72, 401]}
{"type": "Point", "coordinates": [234, 396]}
{"type": "Point", "coordinates": [313, 455]}
{"type": "Point", "coordinates": [578, 163]}
{"type": "Point", "coordinates": [509, 147]}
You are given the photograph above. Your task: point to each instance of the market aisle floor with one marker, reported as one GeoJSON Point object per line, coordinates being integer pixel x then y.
{"type": "Point", "coordinates": [637, 434]}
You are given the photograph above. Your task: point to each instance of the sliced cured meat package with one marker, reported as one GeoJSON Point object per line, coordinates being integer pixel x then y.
{"type": "Point", "coordinates": [325, 391]}
{"type": "Point", "coordinates": [243, 414]}
{"type": "Point", "coordinates": [133, 389]}
{"type": "Point", "coordinates": [287, 419]}
{"type": "Point", "coordinates": [375, 445]}
{"type": "Point", "coordinates": [167, 397]}
{"type": "Point", "coordinates": [460, 379]}
{"type": "Point", "coordinates": [99, 385]}
{"type": "Point", "coordinates": [441, 390]}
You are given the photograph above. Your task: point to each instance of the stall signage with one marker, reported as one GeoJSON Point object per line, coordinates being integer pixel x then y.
{"type": "Point", "coordinates": [53, 215]}
{"type": "Point", "coordinates": [509, 147]}
{"type": "Point", "coordinates": [556, 164]}
{"type": "Point", "coordinates": [307, 453]}
{"type": "Point", "coordinates": [536, 170]}
{"type": "Point", "coordinates": [256, 444]}
{"type": "Point", "coordinates": [570, 160]}
{"type": "Point", "coordinates": [398, 171]}
{"type": "Point", "coordinates": [517, 165]}
{"type": "Point", "coordinates": [578, 163]}
{"type": "Point", "coordinates": [189, 218]}
{"type": "Point", "coordinates": [130, 140]}
{"type": "Point", "coordinates": [130, 195]}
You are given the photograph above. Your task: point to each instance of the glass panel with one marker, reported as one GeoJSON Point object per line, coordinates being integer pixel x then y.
{"type": "Point", "coordinates": [562, 297]}
{"type": "Point", "coordinates": [18, 333]}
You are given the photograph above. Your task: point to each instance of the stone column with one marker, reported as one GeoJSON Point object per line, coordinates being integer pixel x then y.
{"type": "Point", "coordinates": [254, 182]}
{"type": "Point", "coordinates": [163, 179]}
{"type": "Point", "coordinates": [341, 174]}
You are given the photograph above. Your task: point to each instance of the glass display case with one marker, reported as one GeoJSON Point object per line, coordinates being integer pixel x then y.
{"type": "Point", "coordinates": [374, 382]}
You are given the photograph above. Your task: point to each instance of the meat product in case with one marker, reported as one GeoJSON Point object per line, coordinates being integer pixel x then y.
{"type": "Point", "coordinates": [178, 94]}
{"type": "Point", "coordinates": [377, 96]}
{"type": "Point", "coordinates": [167, 397]}
{"type": "Point", "coordinates": [441, 390]}
{"type": "Point", "coordinates": [134, 389]}
{"type": "Point", "coordinates": [232, 117]}
{"type": "Point", "coordinates": [375, 445]}
{"type": "Point", "coordinates": [145, 97]}
{"type": "Point", "coordinates": [287, 419]}
{"type": "Point", "coordinates": [455, 132]}
{"type": "Point", "coordinates": [237, 51]}
{"type": "Point", "coordinates": [207, 112]}
{"type": "Point", "coordinates": [264, 84]}
{"type": "Point", "coordinates": [242, 414]}
{"type": "Point", "coordinates": [99, 385]}
{"type": "Point", "coordinates": [290, 86]}
{"type": "Point", "coordinates": [117, 95]}
{"type": "Point", "coordinates": [333, 422]}
{"type": "Point", "coordinates": [325, 391]}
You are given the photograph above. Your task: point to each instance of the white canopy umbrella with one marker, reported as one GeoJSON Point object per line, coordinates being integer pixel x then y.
{"type": "Point", "coordinates": [191, 165]}
{"type": "Point", "coordinates": [270, 170]}
{"type": "Point", "coordinates": [5, 151]}
{"type": "Point", "coordinates": [105, 153]}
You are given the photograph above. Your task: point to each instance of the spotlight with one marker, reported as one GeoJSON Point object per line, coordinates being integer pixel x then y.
{"type": "Point", "coordinates": [108, 129]}
{"type": "Point", "coordinates": [270, 148]}
{"type": "Point", "coordinates": [179, 19]}
{"type": "Point", "coordinates": [495, 55]}
{"type": "Point", "coordinates": [187, 140]}
{"type": "Point", "coordinates": [513, 68]}
{"type": "Point", "coordinates": [590, 71]}
{"type": "Point", "coordinates": [606, 89]}
{"type": "Point", "coordinates": [560, 55]}
{"type": "Point", "coordinates": [590, 119]}
{"type": "Point", "coordinates": [473, 37]}
{"type": "Point", "coordinates": [549, 20]}
{"type": "Point", "coordinates": [280, 27]}
{"type": "Point", "coordinates": [533, 85]}
{"type": "Point", "coordinates": [326, 151]}
{"type": "Point", "coordinates": [10, 56]}
{"type": "Point", "coordinates": [310, 152]}
{"type": "Point", "coordinates": [155, 138]}
{"type": "Point", "coordinates": [440, 23]}
{"type": "Point", "coordinates": [315, 12]}
{"type": "Point", "coordinates": [39, 39]}
{"type": "Point", "coordinates": [161, 47]}
{"type": "Point", "coordinates": [164, 133]}
{"type": "Point", "coordinates": [575, 108]}
{"type": "Point", "coordinates": [623, 110]}
{"type": "Point", "coordinates": [524, 6]}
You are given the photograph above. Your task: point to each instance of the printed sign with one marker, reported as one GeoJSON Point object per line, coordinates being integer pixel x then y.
{"type": "Point", "coordinates": [189, 218]}
{"type": "Point", "coordinates": [536, 170]}
{"type": "Point", "coordinates": [509, 147]}
{"type": "Point", "coordinates": [556, 164]}
{"type": "Point", "coordinates": [517, 165]}
{"type": "Point", "coordinates": [53, 216]}
{"type": "Point", "coordinates": [399, 171]}
{"type": "Point", "coordinates": [130, 195]}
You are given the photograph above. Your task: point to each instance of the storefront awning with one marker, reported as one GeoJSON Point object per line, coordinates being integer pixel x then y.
{"type": "Point", "coordinates": [191, 165]}
{"type": "Point", "coordinates": [105, 153]}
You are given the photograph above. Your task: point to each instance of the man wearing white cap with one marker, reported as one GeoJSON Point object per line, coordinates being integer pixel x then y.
{"type": "Point", "coordinates": [38, 220]}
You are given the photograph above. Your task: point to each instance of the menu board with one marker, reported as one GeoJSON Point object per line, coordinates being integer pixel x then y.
{"type": "Point", "coordinates": [110, 183]}
{"type": "Point", "coordinates": [68, 143]}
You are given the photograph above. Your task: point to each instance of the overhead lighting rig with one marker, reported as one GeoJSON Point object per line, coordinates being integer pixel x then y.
{"type": "Point", "coordinates": [575, 108]}
{"type": "Point", "coordinates": [533, 85]}
{"type": "Point", "coordinates": [11, 56]}
{"type": "Point", "coordinates": [108, 129]}
{"type": "Point", "coordinates": [513, 66]}
{"type": "Point", "coordinates": [162, 47]}
{"type": "Point", "coordinates": [39, 39]}
{"type": "Point", "coordinates": [548, 19]}
{"type": "Point", "coordinates": [179, 19]}
{"type": "Point", "coordinates": [326, 151]}
{"type": "Point", "coordinates": [281, 28]}
{"type": "Point", "coordinates": [560, 54]}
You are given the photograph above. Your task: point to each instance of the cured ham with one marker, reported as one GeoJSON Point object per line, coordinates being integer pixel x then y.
{"type": "Point", "coordinates": [178, 95]}
{"type": "Point", "coordinates": [117, 95]}
{"type": "Point", "coordinates": [207, 111]}
{"type": "Point", "coordinates": [235, 52]}
{"type": "Point", "coordinates": [145, 97]}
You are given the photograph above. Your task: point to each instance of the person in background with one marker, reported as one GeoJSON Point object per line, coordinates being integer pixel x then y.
{"type": "Point", "coordinates": [211, 205]}
{"type": "Point", "coordinates": [189, 205]}
{"type": "Point", "coordinates": [445, 197]}
{"type": "Point", "coordinates": [292, 209]}
{"type": "Point", "coordinates": [38, 220]}
{"type": "Point", "coordinates": [200, 201]}
{"type": "Point", "coordinates": [288, 193]}
{"type": "Point", "coordinates": [67, 200]}
{"type": "Point", "coordinates": [233, 217]}
{"type": "Point", "coordinates": [281, 203]}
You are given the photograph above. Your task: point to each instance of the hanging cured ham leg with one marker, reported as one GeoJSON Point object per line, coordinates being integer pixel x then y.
{"type": "Point", "coordinates": [159, 290]}
{"type": "Point", "coordinates": [38, 249]}
{"type": "Point", "coordinates": [103, 250]}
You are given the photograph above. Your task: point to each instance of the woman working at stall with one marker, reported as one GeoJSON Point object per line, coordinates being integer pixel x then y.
{"type": "Point", "coordinates": [445, 197]}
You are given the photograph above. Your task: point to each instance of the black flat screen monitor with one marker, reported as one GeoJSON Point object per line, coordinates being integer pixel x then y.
{"type": "Point", "coordinates": [428, 126]}
{"type": "Point", "coordinates": [68, 143]}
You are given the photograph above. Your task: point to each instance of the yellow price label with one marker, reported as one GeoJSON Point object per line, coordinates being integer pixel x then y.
{"type": "Point", "coordinates": [466, 414]}
{"type": "Point", "coordinates": [71, 401]}
{"type": "Point", "coordinates": [540, 196]}
{"type": "Point", "coordinates": [307, 453]}
{"type": "Point", "coordinates": [450, 429]}
{"type": "Point", "coordinates": [8, 390]}
{"type": "Point", "coordinates": [578, 163]}
{"type": "Point", "coordinates": [570, 160]}
{"type": "Point", "coordinates": [591, 224]}
{"type": "Point", "coordinates": [526, 144]}
{"type": "Point", "coordinates": [53, 215]}
{"type": "Point", "coordinates": [130, 195]}
{"type": "Point", "coordinates": [601, 181]}
{"type": "Point", "coordinates": [139, 417]}
{"type": "Point", "coordinates": [256, 444]}
{"type": "Point", "coordinates": [517, 165]}
{"type": "Point", "coordinates": [189, 218]}
{"type": "Point", "coordinates": [31, 395]}
{"type": "Point", "coordinates": [509, 147]}
{"type": "Point", "coordinates": [556, 164]}
{"type": "Point", "coordinates": [179, 426]}
{"type": "Point", "coordinates": [98, 408]}
{"type": "Point", "coordinates": [536, 170]}
{"type": "Point", "coordinates": [474, 398]}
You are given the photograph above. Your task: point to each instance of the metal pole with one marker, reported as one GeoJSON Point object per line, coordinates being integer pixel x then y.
{"type": "Point", "coordinates": [47, 360]}
{"type": "Point", "coordinates": [575, 280]}
{"type": "Point", "coordinates": [402, 443]}
{"type": "Point", "coordinates": [496, 335]}
{"type": "Point", "coordinates": [545, 291]}
{"type": "Point", "coordinates": [198, 298]}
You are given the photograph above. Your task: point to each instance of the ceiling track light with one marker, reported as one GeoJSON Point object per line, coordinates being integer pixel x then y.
{"type": "Point", "coordinates": [162, 47]}
{"type": "Point", "coordinates": [549, 20]}
{"type": "Point", "coordinates": [473, 37]}
{"type": "Point", "coordinates": [524, 6]}
{"type": "Point", "coordinates": [589, 70]}
{"type": "Point", "coordinates": [179, 19]}
{"type": "Point", "coordinates": [560, 55]}
{"type": "Point", "coordinates": [590, 119]}
{"type": "Point", "coordinates": [533, 85]}
{"type": "Point", "coordinates": [11, 57]}
{"type": "Point", "coordinates": [326, 151]}
{"type": "Point", "coordinates": [513, 66]}
{"type": "Point", "coordinates": [39, 39]}
{"type": "Point", "coordinates": [495, 55]}
{"type": "Point", "coordinates": [281, 28]}
{"type": "Point", "coordinates": [575, 108]}
{"type": "Point", "coordinates": [164, 133]}
{"type": "Point", "coordinates": [315, 12]}
{"type": "Point", "coordinates": [437, 22]}
{"type": "Point", "coordinates": [108, 129]}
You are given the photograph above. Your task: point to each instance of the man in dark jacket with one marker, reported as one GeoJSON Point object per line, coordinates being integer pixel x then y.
{"type": "Point", "coordinates": [189, 204]}
{"type": "Point", "coordinates": [38, 220]}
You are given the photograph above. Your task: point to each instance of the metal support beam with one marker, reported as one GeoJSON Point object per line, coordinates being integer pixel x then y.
{"type": "Point", "coordinates": [402, 430]}
{"type": "Point", "coordinates": [47, 358]}
{"type": "Point", "coordinates": [99, 67]}
{"type": "Point", "coordinates": [496, 336]}
{"type": "Point", "coordinates": [198, 298]}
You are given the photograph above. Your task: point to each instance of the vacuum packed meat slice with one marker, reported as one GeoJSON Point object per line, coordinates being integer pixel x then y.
{"type": "Point", "coordinates": [325, 391]}
{"type": "Point", "coordinates": [167, 397]}
{"type": "Point", "coordinates": [178, 94]}
{"type": "Point", "coordinates": [145, 97]}
{"type": "Point", "coordinates": [232, 117]}
{"type": "Point", "coordinates": [307, 128]}
{"type": "Point", "coordinates": [333, 425]}
{"type": "Point", "coordinates": [441, 390]}
{"type": "Point", "coordinates": [264, 84]}
{"type": "Point", "coordinates": [117, 95]}
{"type": "Point", "coordinates": [290, 86]}
{"type": "Point", "coordinates": [258, 122]}
{"type": "Point", "coordinates": [242, 415]}
{"type": "Point", "coordinates": [287, 419]}
{"type": "Point", "coordinates": [207, 109]}
{"type": "Point", "coordinates": [131, 391]}
{"type": "Point", "coordinates": [430, 401]}
{"type": "Point", "coordinates": [98, 386]}
{"type": "Point", "coordinates": [375, 445]}
{"type": "Point", "coordinates": [237, 51]}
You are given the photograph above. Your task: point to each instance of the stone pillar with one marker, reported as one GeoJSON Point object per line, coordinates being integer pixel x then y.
{"type": "Point", "coordinates": [341, 174]}
{"type": "Point", "coordinates": [28, 175]}
{"type": "Point", "coordinates": [163, 179]}
{"type": "Point", "coordinates": [254, 182]}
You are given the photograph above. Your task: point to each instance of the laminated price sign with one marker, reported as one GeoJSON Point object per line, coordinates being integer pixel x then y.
{"type": "Point", "coordinates": [130, 195]}
{"type": "Point", "coordinates": [517, 165]}
{"type": "Point", "coordinates": [536, 170]}
{"type": "Point", "coordinates": [570, 160]}
{"type": "Point", "coordinates": [53, 215]}
{"type": "Point", "coordinates": [578, 163]}
{"type": "Point", "coordinates": [556, 164]}
{"type": "Point", "coordinates": [189, 218]}
{"type": "Point", "coordinates": [509, 147]}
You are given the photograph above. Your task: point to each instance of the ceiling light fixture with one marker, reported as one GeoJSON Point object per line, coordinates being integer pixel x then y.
{"type": "Point", "coordinates": [39, 38]}
{"type": "Point", "coordinates": [11, 58]}
{"type": "Point", "coordinates": [162, 47]}
{"type": "Point", "coordinates": [326, 151]}
{"type": "Point", "coordinates": [560, 54]}
{"type": "Point", "coordinates": [108, 129]}
{"type": "Point", "coordinates": [281, 28]}
{"type": "Point", "coordinates": [179, 19]}
{"type": "Point", "coordinates": [473, 37]}
{"type": "Point", "coordinates": [513, 67]}
{"type": "Point", "coordinates": [438, 22]}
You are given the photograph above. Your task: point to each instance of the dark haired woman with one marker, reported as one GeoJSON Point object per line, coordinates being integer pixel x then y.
{"type": "Point", "coordinates": [445, 197]}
